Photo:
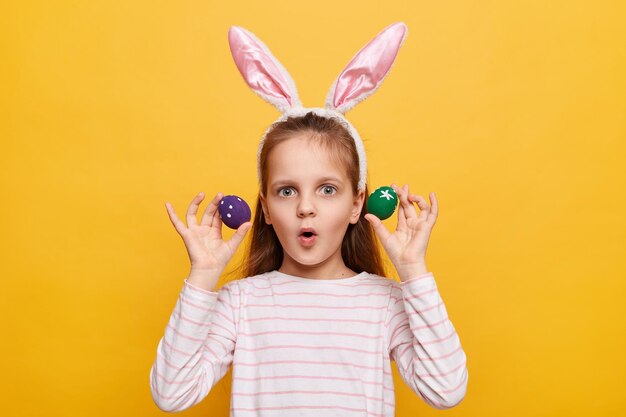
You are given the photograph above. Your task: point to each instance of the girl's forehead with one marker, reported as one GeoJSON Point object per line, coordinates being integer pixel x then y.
{"type": "Point", "coordinates": [301, 156]}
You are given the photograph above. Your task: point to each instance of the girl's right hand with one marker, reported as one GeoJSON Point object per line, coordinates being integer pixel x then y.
{"type": "Point", "coordinates": [208, 252]}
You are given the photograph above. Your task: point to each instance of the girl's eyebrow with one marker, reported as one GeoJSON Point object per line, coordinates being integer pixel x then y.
{"type": "Point", "coordinates": [280, 182]}
{"type": "Point", "coordinates": [335, 179]}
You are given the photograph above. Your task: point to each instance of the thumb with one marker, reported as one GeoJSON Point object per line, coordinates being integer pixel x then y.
{"type": "Point", "coordinates": [239, 235]}
{"type": "Point", "coordinates": [380, 229]}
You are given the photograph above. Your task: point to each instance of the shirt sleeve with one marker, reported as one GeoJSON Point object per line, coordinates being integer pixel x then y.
{"type": "Point", "coordinates": [197, 347]}
{"type": "Point", "coordinates": [424, 344]}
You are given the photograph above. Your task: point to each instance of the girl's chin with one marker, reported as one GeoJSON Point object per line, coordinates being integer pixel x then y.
{"type": "Point", "coordinates": [308, 263]}
{"type": "Point", "coordinates": [305, 260]}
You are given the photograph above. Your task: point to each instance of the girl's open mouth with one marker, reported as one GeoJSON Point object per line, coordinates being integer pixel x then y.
{"type": "Point", "coordinates": [307, 237]}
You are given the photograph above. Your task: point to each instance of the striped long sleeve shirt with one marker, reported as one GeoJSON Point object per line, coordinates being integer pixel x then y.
{"type": "Point", "coordinates": [310, 347]}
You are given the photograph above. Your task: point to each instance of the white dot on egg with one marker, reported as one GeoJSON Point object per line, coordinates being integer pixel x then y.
{"type": "Point", "coordinates": [228, 215]}
{"type": "Point", "coordinates": [230, 207]}
{"type": "Point", "coordinates": [239, 199]}
{"type": "Point", "coordinates": [222, 202]}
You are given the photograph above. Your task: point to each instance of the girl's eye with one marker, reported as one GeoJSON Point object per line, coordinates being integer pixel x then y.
{"type": "Point", "coordinates": [328, 190]}
{"type": "Point", "coordinates": [285, 192]}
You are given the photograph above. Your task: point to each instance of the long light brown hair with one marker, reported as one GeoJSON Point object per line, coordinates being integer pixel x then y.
{"type": "Point", "coordinates": [359, 249]}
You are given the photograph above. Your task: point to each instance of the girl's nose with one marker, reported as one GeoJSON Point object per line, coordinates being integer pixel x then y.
{"type": "Point", "coordinates": [306, 208]}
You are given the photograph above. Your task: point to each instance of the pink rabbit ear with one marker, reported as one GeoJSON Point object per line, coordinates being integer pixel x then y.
{"type": "Point", "coordinates": [367, 70]}
{"type": "Point", "coordinates": [261, 70]}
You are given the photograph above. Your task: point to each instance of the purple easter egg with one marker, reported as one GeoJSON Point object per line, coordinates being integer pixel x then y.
{"type": "Point", "coordinates": [234, 211]}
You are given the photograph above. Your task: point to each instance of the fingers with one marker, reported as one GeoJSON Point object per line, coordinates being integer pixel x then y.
{"type": "Point", "coordinates": [211, 214]}
{"type": "Point", "coordinates": [421, 203]}
{"type": "Point", "coordinates": [434, 206]}
{"type": "Point", "coordinates": [216, 222]}
{"type": "Point", "coordinates": [178, 225]}
{"type": "Point", "coordinates": [426, 212]}
{"type": "Point", "coordinates": [401, 214]}
{"type": "Point", "coordinates": [401, 218]}
{"type": "Point", "coordinates": [192, 210]}
{"type": "Point", "coordinates": [407, 210]}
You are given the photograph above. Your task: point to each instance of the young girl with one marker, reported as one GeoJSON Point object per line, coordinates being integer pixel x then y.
{"type": "Point", "coordinates": [314, 327]}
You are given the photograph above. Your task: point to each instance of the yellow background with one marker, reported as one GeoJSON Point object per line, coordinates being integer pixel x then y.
{"type": "Point", "coordinates": [512, 112]}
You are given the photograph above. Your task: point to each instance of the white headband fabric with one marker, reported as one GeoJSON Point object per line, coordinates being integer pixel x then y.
{"type": "Point", "coordinates": [363, 75]}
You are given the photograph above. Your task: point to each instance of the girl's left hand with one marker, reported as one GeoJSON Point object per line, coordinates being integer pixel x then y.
{"type": "Point", "coordinates": [406, 247]}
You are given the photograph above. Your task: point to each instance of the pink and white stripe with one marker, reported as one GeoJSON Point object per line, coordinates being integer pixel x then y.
{"type": "Point", "coordinates": [310, 347]}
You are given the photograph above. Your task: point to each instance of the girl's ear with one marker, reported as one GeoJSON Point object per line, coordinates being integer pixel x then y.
{"type": "Point", "coordinates": [359, 199]}
{"type": "Point", "coordinates": [266, 213]}
{"type": "Point", "coordinates": [263, 73]}
{"type": "Point", "coordinates": [368, 68]}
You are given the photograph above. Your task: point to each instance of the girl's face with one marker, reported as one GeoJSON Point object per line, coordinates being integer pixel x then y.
{"type": "Point", "coordinates": [310, 203]}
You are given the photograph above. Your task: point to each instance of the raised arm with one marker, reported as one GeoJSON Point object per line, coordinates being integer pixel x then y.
{"type": "Point", "coordinates": [424, 344]}
{"type": "Point", "coordinates": [197, 348]}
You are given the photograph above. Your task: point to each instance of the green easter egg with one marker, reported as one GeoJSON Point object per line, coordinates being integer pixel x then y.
{"type": "Point", "coordinates": [382, 202]}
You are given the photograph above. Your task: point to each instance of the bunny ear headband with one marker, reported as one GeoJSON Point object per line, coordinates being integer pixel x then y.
{"type": "Point", "coordinates": [363, 75]}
